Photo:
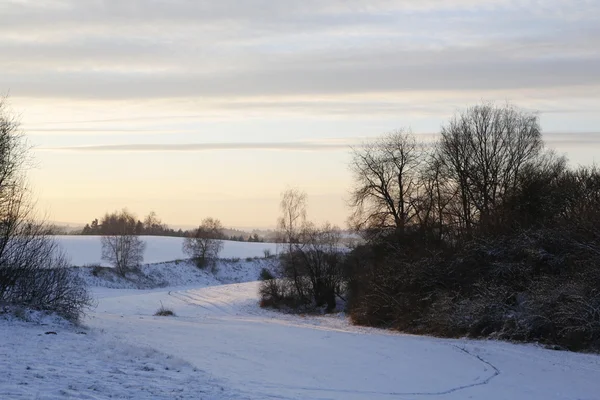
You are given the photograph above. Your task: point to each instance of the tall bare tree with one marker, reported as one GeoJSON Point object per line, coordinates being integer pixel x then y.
{"type": "Point", "coordinates": [123, 248]}
{"type": "Point", "coordinates": [483, 150]}
{"type": "Point", "coordinates": [293, 216]}
{"type": "Point", "coordinates": [386, 175]}
{"type": "Point", "coordinates": [433, 205]}
{"type": "Point", "coordinates": [290, 228]}
{"type": "Point", "coordinates": [33, 270]}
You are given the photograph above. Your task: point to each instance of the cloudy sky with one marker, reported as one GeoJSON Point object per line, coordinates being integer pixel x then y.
{"type": "Point", "coordinates": [212, 108]}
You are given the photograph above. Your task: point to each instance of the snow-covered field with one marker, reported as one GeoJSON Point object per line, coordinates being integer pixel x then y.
{"type": "Point", "coordinates": [87, 250]}
{"type": "Point", "coordinates": [221, 345]}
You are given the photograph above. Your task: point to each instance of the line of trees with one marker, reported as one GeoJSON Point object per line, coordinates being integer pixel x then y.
{"type": "Point", "coordinates": [252, 238]}
{"type": "Point", "coordinates": [111, 224]}
{"type": "Point", "coordinates": [483, 232]}
{"type": "Point", "coordinates": [453, 186]}
{"type": "Point", "coordinates": [152, 225]}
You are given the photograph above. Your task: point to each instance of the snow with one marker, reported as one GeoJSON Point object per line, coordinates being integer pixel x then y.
{"type": "Point", "coordinates": [222, 345]}
{"type": "Point", "coordinates": [87, 250]}
{"type": "Point", "coordinates": [178, 274]}
{"type": "Point", "coordinates": [87, 364]}
{"type": "Point", "coordinates": [264, 354]}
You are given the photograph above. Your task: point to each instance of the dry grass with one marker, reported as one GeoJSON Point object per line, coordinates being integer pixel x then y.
{"type": "Point", "coordinates": [164, 312]}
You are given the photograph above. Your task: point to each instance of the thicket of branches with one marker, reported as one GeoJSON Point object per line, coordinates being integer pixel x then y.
{"type": "Point", "coordinates": [33, 272]}
{"type": "Point", "coordinates": [482, 233]}
{"type": "Point", "coordinates": [310, 273]}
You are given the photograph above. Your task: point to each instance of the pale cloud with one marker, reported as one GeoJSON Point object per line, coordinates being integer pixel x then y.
{"type": "Point", "coordinates": [180, 49]}
{"type": "Point", "coordinates": [334, 144]}
{"type": "Point", "coordinates": [572, 139]}
{"type": "Point", "coordinates": [156, 91]}
{"type": "Point", "coordinates": [321, 77]}
{"type": "Point", "coordinates": [323, 145]}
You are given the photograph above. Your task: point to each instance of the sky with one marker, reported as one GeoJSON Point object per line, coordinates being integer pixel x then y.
{"type": "Point", "coordinates": [213, 108]}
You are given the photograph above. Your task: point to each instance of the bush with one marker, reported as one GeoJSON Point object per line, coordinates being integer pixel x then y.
{"type": "Point", "coordinates": [41, 279]}
{"type": "Point", "coordinates": [309, 279]}
{"type": "Point", "coordinates": [266, 275]}
{"type": "Point", "coordinates": [164, 312]}
{"type": "Point", "coordinates": [280, 293]}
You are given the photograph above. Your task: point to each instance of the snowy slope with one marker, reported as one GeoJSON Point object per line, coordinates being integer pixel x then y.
{"type": "Point", "coordinates": [86, 250]}
{"type": "Point", "coordinates": [74, 363]}
{"type": "Point", "coordinates": [264, 354]}
{"type": "Point", "coordinates": [178, 274]}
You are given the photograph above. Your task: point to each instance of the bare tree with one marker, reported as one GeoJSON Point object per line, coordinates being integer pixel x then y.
{"type": "Point", "coordinates": [484, 150]}
{"type": "Point", "coordinates": [310, 265]}
{"type": "Point", "coordinates": [310, 273]}
{"type": "Point", "coordinates": [33, 271]}
{"type": "Point", "coordinates": [433, 211]}
{"type": "Point", "coordinates": [293, 216]}
{"type": "Point", "coordinates": [124, 249]}
{"type": "Point", "coordinates": [386, 175]}
{"type": "Point", "coordinates": [290, 227]}
{"type": "Point", "coordinates": [206, 243]}
{"type": "Point", "coordinates": [321, 260]}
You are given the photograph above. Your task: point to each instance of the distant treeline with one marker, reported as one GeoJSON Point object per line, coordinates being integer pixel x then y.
{"type": "Point", "coordinates": [116, 224]}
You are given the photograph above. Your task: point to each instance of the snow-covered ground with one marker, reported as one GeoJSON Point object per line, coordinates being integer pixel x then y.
{"type": "Point", "coordinates": [87, 250]}
{"type": "Point", "coordinates": [221, 345]}
{"type": "Point", "coordinates": [179, 274]}
{"type": "Point", "coordinates": [262, 354]}
{"type": "Point", "coordinates": [77, 363]}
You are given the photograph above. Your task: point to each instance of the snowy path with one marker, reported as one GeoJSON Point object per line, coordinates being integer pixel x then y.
{"type": "Point", "coordinates": [258, 354]}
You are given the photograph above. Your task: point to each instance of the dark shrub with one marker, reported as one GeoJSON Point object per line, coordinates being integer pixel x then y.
{"type": "Point", "coordinates": [164, 312]}
{"type": "Point", "coordinates": [266, 275]}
